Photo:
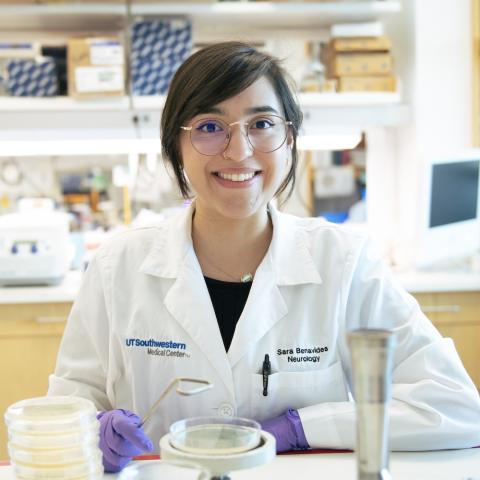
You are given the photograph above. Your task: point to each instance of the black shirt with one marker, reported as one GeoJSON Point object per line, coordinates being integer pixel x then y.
{"type": "Point", "coordinates": [228, 299]}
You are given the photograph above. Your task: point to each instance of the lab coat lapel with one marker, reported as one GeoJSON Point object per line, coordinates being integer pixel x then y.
{"type": "Point", "coordinates": [188, 300]}
{"type": "Point", "coordinates": [264, 308]}
{"type": "Point", "coordinates": [288, 263]}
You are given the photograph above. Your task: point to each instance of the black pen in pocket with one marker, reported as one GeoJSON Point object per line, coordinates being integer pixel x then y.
{"type": "Point", "coordinates": [266, 370]}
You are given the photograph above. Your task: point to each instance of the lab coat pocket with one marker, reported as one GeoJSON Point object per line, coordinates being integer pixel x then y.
{"type": "Point", "coordinates": [297, 390]}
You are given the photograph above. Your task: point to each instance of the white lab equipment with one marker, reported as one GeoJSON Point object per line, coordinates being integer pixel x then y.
{"type": "Point", "coordinates": [220, 445]}
{"type": "Point", "coordinates": [34, 247]}
{"type": "Point", "coordinates": [334, 181]}
{"type": "Point", "coordinates": [448, 233]}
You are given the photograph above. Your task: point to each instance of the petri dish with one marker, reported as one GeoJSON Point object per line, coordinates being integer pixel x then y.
{"type": "Point", "coordinates": [50, 415]}
{"type": "Point", "coordinates": [215, 435]}
{"type": "Point", "coordinates": [165, 470]}
{"type": "Point", "coordinates": [88, 470]}
{"type": "Point", "coordinates": [54, 456]}
{"type": "Point", "coordinates": [69, 439]}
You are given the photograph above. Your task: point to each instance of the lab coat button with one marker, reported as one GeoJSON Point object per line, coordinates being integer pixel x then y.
{"type": "Point", "coordinates": [226, 410]}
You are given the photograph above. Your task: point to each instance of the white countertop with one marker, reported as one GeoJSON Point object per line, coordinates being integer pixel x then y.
{"type": "Point", "coordinates": [64, 292]}
{"type": "Point", "coordinates": [421, 282]}
{"type": "Point", "coordinates": [441, 465]}
{"type": "Point", "coordinates": [413, 281]}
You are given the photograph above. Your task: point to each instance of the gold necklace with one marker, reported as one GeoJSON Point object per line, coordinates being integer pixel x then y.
{"type": "Point", "coordinates": [246, 277]}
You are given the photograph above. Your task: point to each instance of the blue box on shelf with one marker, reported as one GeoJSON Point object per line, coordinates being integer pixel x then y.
{"type": "Point", "coordinates": [158, 48]}
{"type": "Point", "coordinates": [31, 77]}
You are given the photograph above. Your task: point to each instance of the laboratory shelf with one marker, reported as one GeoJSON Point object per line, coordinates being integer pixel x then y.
{"type": "Point", "coordinates": [146, 103]}
{"type": "Point", "coordinates": [349, 99]}
{"type": "Point", "coordinates": [62, 104]}
{"type": "Point", "coordinates": [64, 118]}
{"type": "Point", "coordinates": [216, 15]}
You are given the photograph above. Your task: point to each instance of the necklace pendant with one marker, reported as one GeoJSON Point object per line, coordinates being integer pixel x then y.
{"type": "Point", "coordinates": [246, 277]}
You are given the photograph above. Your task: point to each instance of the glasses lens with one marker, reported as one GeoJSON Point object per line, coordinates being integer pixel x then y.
{"type": "Point", "coordinates": [209, 137]}
{"type": "Point", "coordinates": [267, 133]}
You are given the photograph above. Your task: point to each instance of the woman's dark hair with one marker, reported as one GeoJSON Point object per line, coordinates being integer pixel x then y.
{"type": "Point", "coordinates": [212, 75]}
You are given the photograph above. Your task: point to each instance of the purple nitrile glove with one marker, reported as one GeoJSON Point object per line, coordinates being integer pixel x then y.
{"type": "Point", "coordinates": [287, 430]}
{"type": "Point", "coordinates": [121, 438]}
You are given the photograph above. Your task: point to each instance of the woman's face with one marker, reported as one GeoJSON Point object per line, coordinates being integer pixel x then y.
{"type": "Point", "coordinates": [239, 182]}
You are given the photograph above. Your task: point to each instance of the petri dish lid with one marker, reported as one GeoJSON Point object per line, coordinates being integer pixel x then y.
{"type": "Point", "coordinates": [69, 439]}
{"type": "Point", "coordinates": [215, 435]}
{"type": "Point", "coordinates": [50, 414]}
{"type": "Point", "coordinates": [55, 456]}
{"type": "Point", "coordinates": [93, 468]}
{"type": "Point", "coordinates": [164, 469]}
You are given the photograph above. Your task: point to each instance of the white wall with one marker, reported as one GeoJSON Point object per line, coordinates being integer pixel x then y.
{"type": "Point", "coordinates": [433, 55]}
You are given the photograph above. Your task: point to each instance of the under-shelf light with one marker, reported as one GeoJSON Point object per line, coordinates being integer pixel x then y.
{"type": "Point", "coordinates": [78, 147]}
{"type": "Point", "coordinates": [329, 141]}
{"type": "Point", "coordinates": [151, 146]}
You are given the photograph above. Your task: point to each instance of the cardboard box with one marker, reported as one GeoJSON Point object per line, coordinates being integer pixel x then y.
{"type": "Point", "coordinates": [379, 83]}
{"type": "Point", "coordinates": [356, 64]}
{"type": "Point", "coordinates": [346, 44]}
{"type": "Point", "coordinates": [95, 67]}
{"type": "Point", "coordinates": [31, 78]}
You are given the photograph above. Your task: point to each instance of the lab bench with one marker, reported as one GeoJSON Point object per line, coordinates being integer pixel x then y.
{"type": "Point", "coordinates": [30, 335]}
{"type": "Point", "coordinates": [452, 302]}
{"type": "Point", "coordinates": [32, 320]}
{"type": "Point", "coordinates": [441, 465]}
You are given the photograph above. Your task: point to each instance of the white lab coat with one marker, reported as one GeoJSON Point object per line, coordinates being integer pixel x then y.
{"type": "Point", "coordinates": [316, 282]}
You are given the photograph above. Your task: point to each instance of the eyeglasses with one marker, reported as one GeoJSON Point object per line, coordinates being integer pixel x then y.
{"type": "Point", "coordinates": [265, 133]}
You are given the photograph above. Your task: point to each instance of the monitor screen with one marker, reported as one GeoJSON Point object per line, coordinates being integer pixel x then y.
{"type": "Point", "coordinates": [454, 192]}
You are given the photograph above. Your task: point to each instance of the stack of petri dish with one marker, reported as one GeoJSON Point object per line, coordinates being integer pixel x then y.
{"type": "Point", "coordinates": [54, 437]}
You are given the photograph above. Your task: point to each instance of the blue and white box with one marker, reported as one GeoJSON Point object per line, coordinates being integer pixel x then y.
{"type": "Point", "coordinates": [31, 77]}
{"type": "Point", "coordinates": [159, 47]}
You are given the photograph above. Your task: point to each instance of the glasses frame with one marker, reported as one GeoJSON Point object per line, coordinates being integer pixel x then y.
{"type": "Point", "coordinates": [287, 123]}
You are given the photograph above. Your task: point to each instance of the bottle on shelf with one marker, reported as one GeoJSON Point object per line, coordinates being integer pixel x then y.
{"type": "Point", "coordinates": [313, 78]}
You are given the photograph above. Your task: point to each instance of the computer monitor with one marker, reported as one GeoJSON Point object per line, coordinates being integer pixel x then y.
{"type": "Point", "coordinates": [450, 225]}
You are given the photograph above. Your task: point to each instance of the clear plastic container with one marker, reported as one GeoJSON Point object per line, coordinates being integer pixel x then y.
{"type": "Point", "coordinates": [70, 439]}
{"type": "Point", "coordinates": [164, 470]}
{"type": "Point", "coordinates": [49, 415]}
{"type": "Point", "coordinates": [56, 456]}
{"type": "Point", "coordinates": [88, 470]}
{"type": "Point", "coordinates": [215, 435]}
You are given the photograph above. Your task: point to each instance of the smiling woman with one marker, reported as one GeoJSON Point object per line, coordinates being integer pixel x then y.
{"type": "Point", "coordinates": [257, 302]}
{"type": "Point", "coordinates": [219, 73]}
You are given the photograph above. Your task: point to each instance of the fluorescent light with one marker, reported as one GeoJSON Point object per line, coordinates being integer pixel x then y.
{"type": "Point", "coordinates": [151, 147]}
{"type": "Point", "coordinates": [329, 141]}
{"type": "Point", "coordinates": [78, 147]}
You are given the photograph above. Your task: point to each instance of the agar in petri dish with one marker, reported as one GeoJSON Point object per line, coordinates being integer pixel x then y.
{"type": "Point", "coordinates": [215, 436]}
{"type": "Point", "coordinates": [47, 414]}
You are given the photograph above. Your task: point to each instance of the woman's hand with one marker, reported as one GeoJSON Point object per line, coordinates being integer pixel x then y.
{"type": "Point", "coordinates": [121, 438]}
{"type": "Point", "coordinates": [287, 430]}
